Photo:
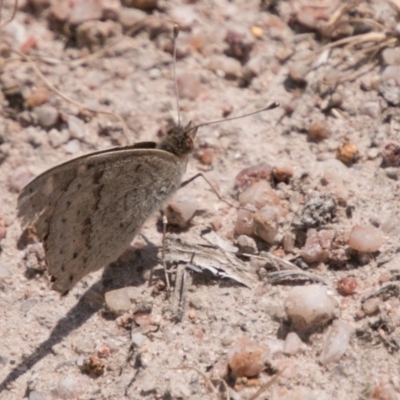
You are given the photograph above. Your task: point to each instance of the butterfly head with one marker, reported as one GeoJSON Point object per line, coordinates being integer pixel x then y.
{"type": "Point", "coordinates": [179, 140]}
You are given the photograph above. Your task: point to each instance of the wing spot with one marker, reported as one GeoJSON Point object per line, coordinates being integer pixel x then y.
{"type": "Point", "coordinates": [138, 167]}
{"type": "Point", "coordinates": [30, 190]}
{"type": "Point", "coordinates": [121, 224]}
{"type": "Point", "coordinates": [68, 204]}
{"type": "Point", "coordinates": [63, 220]}
{"type": "Point", "coordinates": [75, 254]}
{"type": "Point", "coordinates": [71, 277]}
{"type": "Point", "coordinates": [63, 268]}
{"type": "Point", "coordinates": [97, 176]}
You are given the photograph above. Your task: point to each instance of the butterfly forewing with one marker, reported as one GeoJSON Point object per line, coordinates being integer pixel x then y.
{"type": "Point", "coordinates": [102, 195]}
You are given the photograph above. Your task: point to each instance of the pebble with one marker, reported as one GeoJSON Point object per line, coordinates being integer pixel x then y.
{"type": "Point", "coordinates": [347, 153]}
{"type": "Point", "coordinates": [336, 343]}
{"type": "Point", "coordinates": [318, 131]}
{"type": "Point", "coordinates": [58, 138]}
{"type": "Point", "coordinates": [35, 395]}
{"type": "Point", "coordinates": [180, 210]}
{"type": "Point", "coordinates": [131, 16]}
{"type": "Point", "coordinates": [371, 306]}
{"type": "Point", "coordinates": [247, 244]}
{"type": "Point", "coordinates": [391, 154]}
{"type": "Point", "coordinates": [251, 175]}
{"type": "Point", "coordinates": [226, 67]}
{"type": "Point", "coordinates": [288, 242]}
{"type": "Point", "coordinates": [391, 56]}
{"type": "Point", "coordinates": [391, 73]}
{"type": "Point", "coordinates": [94, 34]}
{"type": "Point", "coordinates": [347, 286]}
{"type": "Point", "coordinates": [310, 307]}
{"type": "Point", "coordinates": [77, 128]}
{"type": "Point", "coordinates": [366, 239]}
{"type": "Point", "coordinates": [384, 391]}
{"type": "Point", "coordinates": [282, 173]}
{"type": "Point", "coordinates": [247, 358]}
{"type": "Point", "coordinates": [184, 16]}
{"type": "Point", "coordinates": [293, 344]}
{"type": "Point", "coordinates": [370, 108]}
{"type": "Point", "coordinates": [259, 195]}
{"type": "Point", "coordinates": [71, 387]}
{"type": "Point", "coordinates": [137, 339]}
{"type": "Point", "coordinates": [390, 91]}
{"type": "Point", "coordinates": [317, 246]}
{"type": "Point", "coordinates": [266, 223]}
{"type": "Point", "coordinates": [244, 222]}
{"type": "Point", "coordinates": [47, 116]}
{"type": "Point", "coordinates": [38, 97]}
{"type": "Point", "coordinates": [118, 301]}
{"type": "Point", "coordinates": [19, 177]}
{"type": "Point", "coordinates": [189, 85]}
{"type": "Point", "coordinates": [206, 156]}
{"type": "Point", "coordinates": [73, 146]}
{"type": "Point", "coordinates": [87, 10]}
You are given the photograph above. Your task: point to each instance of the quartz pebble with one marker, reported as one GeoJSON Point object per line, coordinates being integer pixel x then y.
{"type": "Point", "coordinates": [346, 286]}
{"type": "Point", "coordinates": [226, 67]}
{"type": "Point", "coordinates": [246, 244]}
{"type": "Point", "coordinates": [310, 307]}
{"type": "Point", "coordinates": [47, 116]}
{"type": "Point", "coordinates": [77, 128]}
{"type": "Point", "coordinates": [366, 239]}
{"type": "Point", "coordinates": [247, 358]}
{"type": "Point", "coordinates": [19, 177]}
{"type": "Point", "coordinates": [259, 195]}
{"type": "Point", "coordinates": [180, 210]}
{"type": "Point", "coordinates": [71, 387]}
{"type": "Point", "coordinates": [293, 344]}
{"type": "Point", "coordinates": [316, 248]}
{"type": "Point", "coordinates": [118, 301]}
{"type": "Point", "coordinates": [266, 223]}
{"type": "Point", "coordinates": [336, 343]}
{"type": "Point", "coordinates": [73, 146]}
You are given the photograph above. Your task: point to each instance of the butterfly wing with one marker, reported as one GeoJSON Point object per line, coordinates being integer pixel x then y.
{"type": "Point", "coordinates": [88, 210]}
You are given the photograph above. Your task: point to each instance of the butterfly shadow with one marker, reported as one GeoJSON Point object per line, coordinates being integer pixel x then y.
{"type": "Point", "coordinates": [127, 271]}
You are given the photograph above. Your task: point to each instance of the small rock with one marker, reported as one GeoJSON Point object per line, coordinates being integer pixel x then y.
{"type": "Point", "coordinates": [58, 138]}
{"type": "Point", "coordinates": [87, 10]}
{"type": "Point", "coordinates": [73, 146]}
{"type": "Point", "coordinates": [189, 85]}
{"type": "Point", "coordinates": [310, 307]}
{"type": "Point", "coordinates": [35, 395]}
{"type": "Point", "coordinates": [282, 173]}
{"type": "Point", "coordinates": [118, 301]}
{"type": "Point", "coordinates": [247, 358]}
{"type": "Point", "coordinates": [366, 239]}
{"type": "Point", "coordinates": [206, 156]}
{"type": "Point", "coordinates": [336, 343]}
{"type": "Point", "coordinates": [244, 222]}
{"type": "Point", "coordinates": [370, 108]}
{"type": "Point", "coordinates": [391, 56]}
{"type": "Point", "coordinates": [247, 245]}
{"type": "Point", "coordinates": [130, 17]}
{"type": "Point", "coordinates": [293, 344]}
{"type": "Point", "coordinates": [47, 116]}
{"type": "Point", "coordinates": [183, 15]}
{"type": "Point", "coordinates": [77, 128]}
{"type": "Point", "coordinates": [18, 178]}
{"type": "Point", "coordinates": [371, 306]}
{"type": "Point", "coordinates": [346, 286]}
{"type": "Point", "coordinates": [239, 46]}
{"type": "Point", "coordinates": [347, 154]}
{"type": "Point", "coordinates": [251, 175]}
{"type": "Point", "coordinates": [318, 131]}
{"type": "Point", "coordinates": [259, 195]}
{"type": "Point", "coordinates": [93, 366]}
{"type": "Point", "coordinates": [288, 242]}
{"type": "Point", "coordinates": [180, 210]}
{"type": "Point", "coordinates": [390, 73]}
{"type": "Point", "coordinates": [317, 246]}
{"type": "Point", "coordinates": [266, 223]}
{"type": "Point", "coordinates": [94, 34]}
{"type": "Point", "coordinates": [38, 97]}
{"type": "Point", "coordinates": [391, 155]}
{"type": "Point", "coordinates": [225, 67]}
{"type": "Point", "coordinates": [220, 369]}
{"type": "Point", "coordinates": [384, 391]}
{"type": "Point", "coordinates": [137, 339]}
{"type": "Point", "coordinates": [71, 387]}
{"type": "Point", "coordinates": [390, 91]}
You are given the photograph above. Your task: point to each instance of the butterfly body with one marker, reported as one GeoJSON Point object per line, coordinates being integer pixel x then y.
{"type": "Point", "coordinates": [88, 210]}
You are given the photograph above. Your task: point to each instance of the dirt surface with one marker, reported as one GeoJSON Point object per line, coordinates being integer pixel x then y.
{"type": "Point", "coordinates": [335, 134]}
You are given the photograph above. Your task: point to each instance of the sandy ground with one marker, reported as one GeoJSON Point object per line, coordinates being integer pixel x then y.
{"type": "Point", "coordinates": [46, 339]}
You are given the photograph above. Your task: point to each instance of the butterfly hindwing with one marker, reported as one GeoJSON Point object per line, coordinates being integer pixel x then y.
{"type": "Point", "coordinates": [87, 212]}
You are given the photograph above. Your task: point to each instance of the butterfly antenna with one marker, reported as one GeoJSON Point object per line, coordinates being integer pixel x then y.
{"type": "Point", "coordinates": [269, 107]}
{"type": "Point", "coordinates": [176, 33]}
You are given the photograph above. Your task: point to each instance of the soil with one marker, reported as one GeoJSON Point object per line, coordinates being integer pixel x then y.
{"type": "Point", "coordinates": [72, 346]}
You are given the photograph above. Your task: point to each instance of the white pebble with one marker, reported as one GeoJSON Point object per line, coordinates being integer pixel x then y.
{"type": "Point", "coordinates": [310, 307]}
{"type": "Point", "coordinates": [336, 343]}
{"type": "Point", "coordinates": [118, 301]}
{"type": "Point", "coordinates": [366, 239]}
{"type": "Point", "coordinates": [293, 344]}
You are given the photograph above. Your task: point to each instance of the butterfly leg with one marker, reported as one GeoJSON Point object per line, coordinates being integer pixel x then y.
{"type": "Point", "coordinates": [183, 184]}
